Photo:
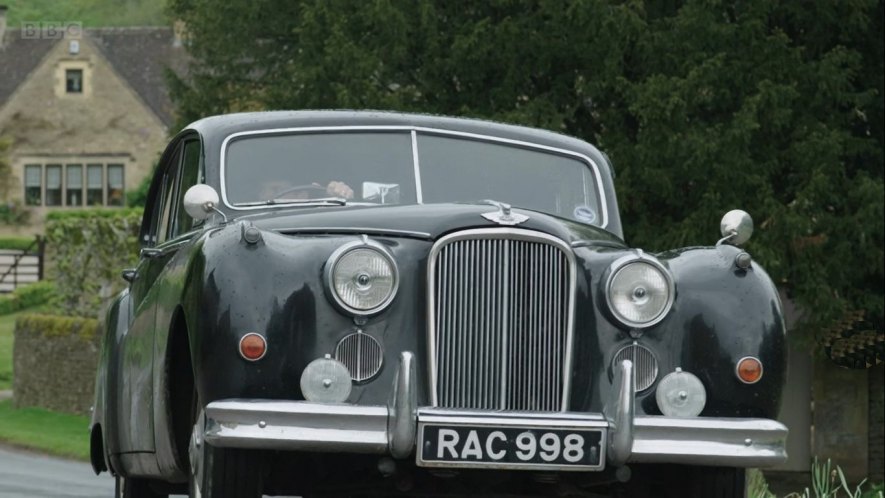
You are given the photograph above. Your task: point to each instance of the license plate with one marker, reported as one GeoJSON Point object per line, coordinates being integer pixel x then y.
{"type": "Point", "coordinates": [528, 448]}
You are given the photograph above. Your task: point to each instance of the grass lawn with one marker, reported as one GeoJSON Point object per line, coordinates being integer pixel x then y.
{"type": "Point", "coordinates": [7, 324]}
{"type": "Point", "coordinates": [56, 433]}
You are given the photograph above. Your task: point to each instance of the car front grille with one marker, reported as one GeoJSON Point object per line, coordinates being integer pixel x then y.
{"type": "Point", "coordinates": [500, 329]}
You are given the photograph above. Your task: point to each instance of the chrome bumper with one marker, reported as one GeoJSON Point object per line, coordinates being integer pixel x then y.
{"type": "Point", "coordinates": [392, 429]}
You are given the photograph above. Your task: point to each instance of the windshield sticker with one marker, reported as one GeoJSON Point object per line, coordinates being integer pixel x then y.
{"type": "Point", "coordinates": [585, 214]}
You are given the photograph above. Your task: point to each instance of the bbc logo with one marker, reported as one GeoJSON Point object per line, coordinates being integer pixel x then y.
{"type": "Point", "coordinates": [51, 30]}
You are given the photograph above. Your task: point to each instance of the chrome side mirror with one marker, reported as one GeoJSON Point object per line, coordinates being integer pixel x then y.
{"type": "Point", "coordinates": [736, 227]}
{"type": "Point", "coordinates": [200, 201]}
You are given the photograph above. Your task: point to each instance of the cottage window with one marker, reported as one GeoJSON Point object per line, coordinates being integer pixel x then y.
{"type": "Point", "coordinates": [115, 184]}
{"type": "Point", "coordinates": [94, 181]}
{"type": "Point", "coordinates": [33, 184]}
{"type": "Point", "coordinates": [74, 80]}
{"type": "Point", "coordinates": [74, 185]}
{"type": "Point", "coordinates": [53, 184]}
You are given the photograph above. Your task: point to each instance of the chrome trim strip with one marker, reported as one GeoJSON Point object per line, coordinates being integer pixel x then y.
{"type": "Point", "coordinates": [403, 408]}
{"type": "Point", "coordinates": [419, 194]}
{"type": "Point", "coordinates": [413, 129]}
{"type": "Point", "coordinates": [332, 262]}
{"type": "Point", "coordinates": [504, 234]}
{"type": "Point", "coordinates": [498, 418]}
{"type": "Point", "coordinates": [736, 442]}
{"type": "Point", "coordinates": [296, 425]}
{"type": "Point", "coordinates": [356, 230]}
{"type": "Point", "coordinates": [620, 412]}
{"type": "Point", "coordinates": [620, 263]}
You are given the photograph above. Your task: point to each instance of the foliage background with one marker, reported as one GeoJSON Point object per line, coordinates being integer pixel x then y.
{"type": "Point", "coordinates": [92, 13]}
{"type": "Point", "coordinates": [775, 107]}
{"type": "Point", "coordinates": [89, 248]}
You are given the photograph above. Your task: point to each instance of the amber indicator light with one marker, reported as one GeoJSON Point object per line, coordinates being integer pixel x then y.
{"type": "Point", "coordinates": [749, 370]}
{"type": "Point", "coordinates": [253, 347]}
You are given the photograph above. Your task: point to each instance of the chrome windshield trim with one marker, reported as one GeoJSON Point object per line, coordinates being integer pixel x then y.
{"type": "Point", "coordinates": [512, 234]}
{"type": "Point", "coordinates": [413, 132]}
{"type": "Point", "coordinates": [416, 164]}
{"type": "Point", "coordinates": [359, 230]}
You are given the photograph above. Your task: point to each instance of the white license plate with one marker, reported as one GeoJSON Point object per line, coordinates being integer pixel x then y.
{"type": "Point", "coordinates": [527, 448]}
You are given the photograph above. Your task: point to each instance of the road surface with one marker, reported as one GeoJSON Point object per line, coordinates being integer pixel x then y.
{"type": "Point", "coordinates": [28, 475]}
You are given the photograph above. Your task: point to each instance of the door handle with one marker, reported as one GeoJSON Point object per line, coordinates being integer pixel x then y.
{"type": "Point", "coordinates": [150, 253]}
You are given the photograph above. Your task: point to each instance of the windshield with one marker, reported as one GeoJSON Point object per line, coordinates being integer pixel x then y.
{"type": "Point", "coordinates": [380, 168]}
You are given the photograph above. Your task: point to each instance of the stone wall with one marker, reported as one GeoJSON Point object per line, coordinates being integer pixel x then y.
{"type": "Point", "coordinates": [877, 423]}
{"type": "Point", "coordinates": [54, 362]}
{"type": "Point", "coordinates": [841, 417]}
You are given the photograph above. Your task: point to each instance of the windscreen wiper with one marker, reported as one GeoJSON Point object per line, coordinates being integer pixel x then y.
{"type": "Point", "coordinates": [323, 201]}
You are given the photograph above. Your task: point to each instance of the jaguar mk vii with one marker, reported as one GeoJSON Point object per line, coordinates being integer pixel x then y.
{"type": "Point", "coordinates": [338, 303]}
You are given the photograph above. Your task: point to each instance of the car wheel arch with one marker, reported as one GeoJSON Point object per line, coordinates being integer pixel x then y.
{"type": "Point", "coordinates": [179, 386]}
{"type": "Point", "coordinates": [97, 455]}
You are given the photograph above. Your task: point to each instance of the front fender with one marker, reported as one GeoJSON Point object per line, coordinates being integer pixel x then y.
{"type": "Point", "coordinates": [721, 314]}
{"type": "Point", "coordinates": [104, 409]}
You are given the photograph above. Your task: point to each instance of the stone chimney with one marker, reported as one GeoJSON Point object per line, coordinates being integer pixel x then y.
{"type": "Point", "coordinates": [2, 25]}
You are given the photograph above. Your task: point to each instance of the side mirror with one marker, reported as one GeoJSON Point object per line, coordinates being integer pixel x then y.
{"type": "Point", "coordinates": [200, 201]}
{"type": "Point", "coordinates": [736, 227]}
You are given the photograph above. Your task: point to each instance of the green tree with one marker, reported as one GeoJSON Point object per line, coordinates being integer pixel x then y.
{"type": "Point", "coordinates": [703, 105]}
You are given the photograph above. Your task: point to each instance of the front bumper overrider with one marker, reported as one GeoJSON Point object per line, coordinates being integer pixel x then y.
{"type": "Point", "coordinates": [392, 429]}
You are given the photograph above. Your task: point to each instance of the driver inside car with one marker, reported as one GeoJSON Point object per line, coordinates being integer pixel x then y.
{"type": "Point", "coordinates": [281, 189]}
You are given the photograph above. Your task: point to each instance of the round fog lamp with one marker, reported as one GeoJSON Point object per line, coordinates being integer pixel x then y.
{"type": "Point", "coordinates": [681, 394]}
{"type": "Point", "coordinates": [325, 380]}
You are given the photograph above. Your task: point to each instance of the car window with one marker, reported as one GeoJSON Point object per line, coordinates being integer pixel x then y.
{"type": "Point", "coordinates": [266, 167]}
{"type": "Point", "coordinates": [167, 195]}
{"type": "Point", "coordinates": [455, 169]}
{"type": "Point", "coordinates": [189, 176]}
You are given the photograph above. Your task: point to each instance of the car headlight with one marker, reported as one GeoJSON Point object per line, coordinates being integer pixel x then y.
{"type": "Point", "coordinates": [639, 291]}
{"type": "Point", "coordinates": [362, 277]}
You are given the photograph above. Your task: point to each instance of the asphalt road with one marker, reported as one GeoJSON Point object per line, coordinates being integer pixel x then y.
{"type": "Point", "coordinates": [28, 475]}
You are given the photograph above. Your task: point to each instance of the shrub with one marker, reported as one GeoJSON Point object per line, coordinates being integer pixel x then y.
{"type": "Point", "coordinates": [27, 296]}
{"type": "Point", "coordinates": [88, 249]}
{"type": "Point", "coordinates": [17, 243]}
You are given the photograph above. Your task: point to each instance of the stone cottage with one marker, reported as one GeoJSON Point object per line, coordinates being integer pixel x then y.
{"type": "Point", "coordinates": [87, 112]}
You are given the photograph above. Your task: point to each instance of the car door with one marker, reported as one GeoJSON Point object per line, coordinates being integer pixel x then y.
{"type": "Point", "coordinates": [137, 346]}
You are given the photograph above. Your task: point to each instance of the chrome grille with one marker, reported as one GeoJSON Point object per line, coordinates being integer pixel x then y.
{"type": "Point", "coordinates": [501, 306]}
{"type": "Point", "coordinates": [361, 354]}
{"type": "Point", "coordinates": [645, 365]}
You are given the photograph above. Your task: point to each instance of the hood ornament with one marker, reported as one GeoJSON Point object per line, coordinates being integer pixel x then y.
{"type": "Point", "coordinates": [503, 216]}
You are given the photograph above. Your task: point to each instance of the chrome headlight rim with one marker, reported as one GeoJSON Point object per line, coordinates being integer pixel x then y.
{"type": "Point", "coordinates": [335, 258]}
{"type": "Point", "coordinates": [620, 264]}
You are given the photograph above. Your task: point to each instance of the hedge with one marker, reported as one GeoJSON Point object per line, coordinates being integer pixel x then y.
{"type": "Point", "coordinates": [88, 249]}
{"type": "Point", "coordinates": [27, 296]}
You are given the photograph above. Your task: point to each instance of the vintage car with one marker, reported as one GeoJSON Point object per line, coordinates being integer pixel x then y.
{"type": "Point", "coordinates": [339, 303]}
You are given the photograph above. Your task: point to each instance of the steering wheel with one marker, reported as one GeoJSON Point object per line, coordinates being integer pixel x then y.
{"type": "Point", "coordinates": [308, 189]}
